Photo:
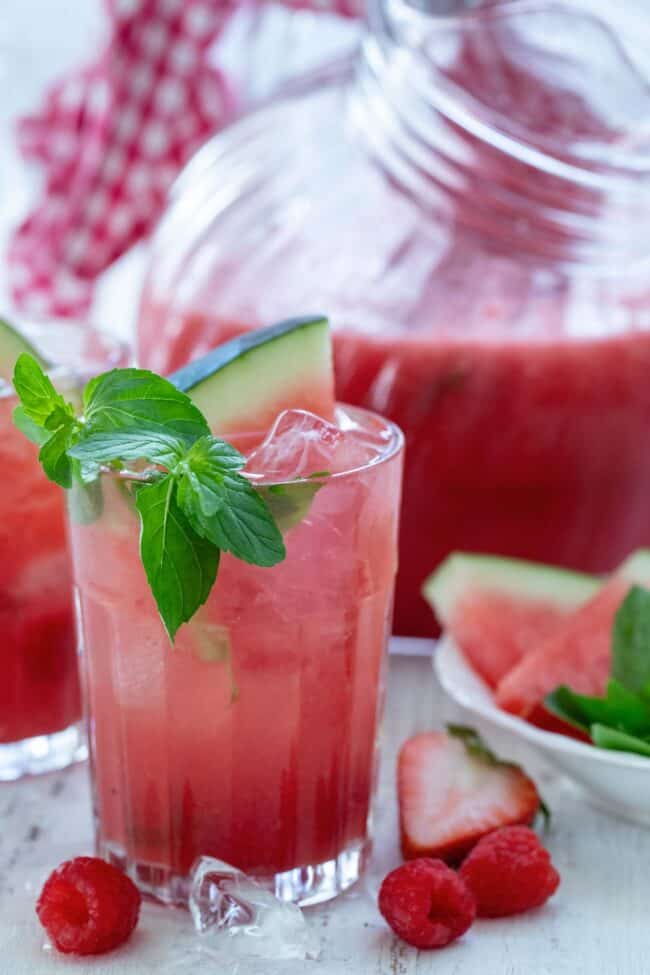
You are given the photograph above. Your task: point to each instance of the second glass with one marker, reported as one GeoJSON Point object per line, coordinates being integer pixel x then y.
{"type": "Point", "coordinates": [40, 702]}
{"type": "Point", "coordinates": [253, 739]}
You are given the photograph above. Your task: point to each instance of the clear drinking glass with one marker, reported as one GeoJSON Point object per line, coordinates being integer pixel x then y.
{"type": "Point", "coordinates": [470, 204]}
{"type": "Point", "coordinates": [40, 704]}
{"type": "Point", "coordinates": [254, 738]}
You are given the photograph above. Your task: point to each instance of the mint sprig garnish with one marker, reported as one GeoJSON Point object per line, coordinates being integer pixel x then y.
{"type": "Point", "coordinates": [194, 504]}
{"type": "Point", "coordinates": [619, 719]}
{"type": "Point", "coordinates": [181, 566]}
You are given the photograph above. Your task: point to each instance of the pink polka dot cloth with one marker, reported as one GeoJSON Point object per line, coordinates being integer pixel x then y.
{"type": "Point", "coordinates": [112, 137]}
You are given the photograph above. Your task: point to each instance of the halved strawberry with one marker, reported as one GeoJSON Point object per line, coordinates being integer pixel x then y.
{"type": "Point", "coordinates": [452, 791]}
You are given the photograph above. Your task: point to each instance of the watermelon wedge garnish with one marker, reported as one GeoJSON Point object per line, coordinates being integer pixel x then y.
{"type": "Point", "coordinates": [243, 385]}
{"type": "Point", "coordinates": [12, 344]}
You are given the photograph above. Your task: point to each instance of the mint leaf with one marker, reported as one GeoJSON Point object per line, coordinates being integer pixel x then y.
{"type": "Point", "coordinates": [562, 702]}
{"type": "Point", "coordinates": [619, 741]}
{"type": "Point", "coordinates": [45, 418]}
{"type": "Point", "coordinates": [631, 641]}
{"type": "Point", "coordinates": [181, 567]}
{"type": "Point", "coordinates": [37, 434]}
{"type": "Point", "coordinates": [210, 453]}
{"type": "Point", "coordinates": [54, 458]}
{"type": "Point", "coordinates": [622, 714]}
{"type": "Point", "coordinates": [38, 397]}
{"type": "Point", "coordinates": [225, 508]}
{"type": "Point", "coordinates": [619, 708]}
{"type": "Point", "coordinates": [127, 399]}
{"type": "Point", "coordinates": [201, 479]}
{"type": "Point", "coordinates": [159, 448]}
{"type": "Point", "coordinates": [61, 416]}
{"type": "Point", "coordinates": [89, 390]}
{"type": "Point", "coordinates": [289, 504]}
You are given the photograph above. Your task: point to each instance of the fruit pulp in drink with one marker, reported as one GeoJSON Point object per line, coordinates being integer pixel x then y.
{"type": "Point", "coordinates": [253, 739]}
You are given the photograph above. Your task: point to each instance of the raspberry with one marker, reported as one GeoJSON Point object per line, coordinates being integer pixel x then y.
{"type": "Point", "coordinates": [426, 903]}
{"type": "Point", "coordinates": [88, 907]}
{"type": "Point", "coordinates": [509, 872]}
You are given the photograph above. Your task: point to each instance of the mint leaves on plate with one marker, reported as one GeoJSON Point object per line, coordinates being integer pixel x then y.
{"type": "Point", "coordinates": [620, 720]}
{"type": "Point", "coordinates": [193, 504]}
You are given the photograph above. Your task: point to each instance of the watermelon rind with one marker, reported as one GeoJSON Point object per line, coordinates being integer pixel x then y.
{"type": "Point", "coordinates": [461, 573]}
{"type": "Point", "coordinates": [12, 345]}
{"type": "Point", "coordinates": [636, 568]}
{"type": "Point", "coordinates": [243, 384]}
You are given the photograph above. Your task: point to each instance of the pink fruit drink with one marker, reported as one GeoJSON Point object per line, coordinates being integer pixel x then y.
{"type": "Point", "coordinates": [254, 738]}
{"type": "Point", "coordinates": [39, 691]}
{"type": "Point", "coordinates": [481, 252]}
{"type": "Point", "coordinates": [40, 701]}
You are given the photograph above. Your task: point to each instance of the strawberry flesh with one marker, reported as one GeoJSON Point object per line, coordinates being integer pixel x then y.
{"type": "Point", "coordinates": [449, 798]}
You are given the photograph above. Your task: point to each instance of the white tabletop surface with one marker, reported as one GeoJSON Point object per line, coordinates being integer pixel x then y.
{"type": "Point", "coordinates": [596, 925]}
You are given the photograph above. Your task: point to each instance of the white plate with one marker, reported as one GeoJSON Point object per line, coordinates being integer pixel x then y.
{"type": "Point", "coordinates": [616, 781]}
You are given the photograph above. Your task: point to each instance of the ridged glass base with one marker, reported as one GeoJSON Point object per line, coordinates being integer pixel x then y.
{"type": "Point", "coordinates": [43, 753]}
{"type": "Point", "coordinates": [305, 885]}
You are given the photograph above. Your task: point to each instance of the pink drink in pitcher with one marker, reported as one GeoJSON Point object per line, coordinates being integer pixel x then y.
{"type": "Point", "coordinates": [471, 205]}
{"type": "Point", "coordinates": [40, 701]}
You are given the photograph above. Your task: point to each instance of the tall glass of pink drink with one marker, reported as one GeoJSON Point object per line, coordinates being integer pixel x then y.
{"type": "Point", "coordinates": [254, 738]}
{"type": "Point", "coordinates": [40, 705]}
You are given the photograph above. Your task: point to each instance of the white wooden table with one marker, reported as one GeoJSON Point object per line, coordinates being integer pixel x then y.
{"type": "Point", "coordinates": [596, 925]}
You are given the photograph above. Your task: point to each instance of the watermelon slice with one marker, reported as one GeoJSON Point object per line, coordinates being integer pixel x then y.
{"type": "Point", "coordinates": [13, 344]}
{"type": "Point", "coordinates": [243, 385]}
{"type": "Point", "coordinates": [578, 654]}
{"type": "Point", "coordinates": [498, 609]}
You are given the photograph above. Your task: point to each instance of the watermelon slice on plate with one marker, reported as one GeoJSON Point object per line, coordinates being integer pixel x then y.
{"type": "Point", "coordinates": [498, 610]}
{"type": "Point", "coordinates": [578, 654]}
{"type": "Point", "coordinates": [616, 781]}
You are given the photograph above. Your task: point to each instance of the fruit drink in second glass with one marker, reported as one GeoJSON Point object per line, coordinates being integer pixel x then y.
{"type": "Point", "coordinates": [40, 703]}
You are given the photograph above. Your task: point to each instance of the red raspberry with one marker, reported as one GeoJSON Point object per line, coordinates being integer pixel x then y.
{"type": "Point", "coordinates": [426, 903]}
{"type": "Point", "coordinates": [509, 872]}
{"type": "Point", "coordinates": [88, 907]}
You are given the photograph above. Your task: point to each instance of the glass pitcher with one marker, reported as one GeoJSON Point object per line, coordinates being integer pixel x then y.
{"type": "Point", "coordinates": [469, 202]}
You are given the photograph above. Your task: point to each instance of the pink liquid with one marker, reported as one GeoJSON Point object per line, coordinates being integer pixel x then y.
{"type": "Point", "coordinates": [526, 448]}
{"type": "Point", "coordinates": [482, 298]}
{"type": "Point", "coordinates": [39, 690]}
{"type": "Point", "coordinates": [253, 739]}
